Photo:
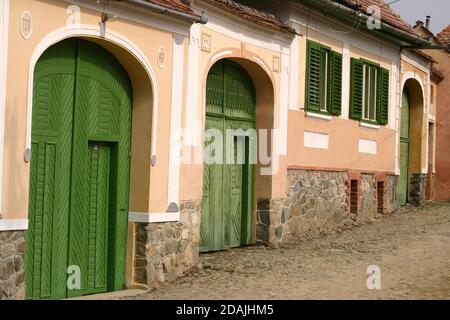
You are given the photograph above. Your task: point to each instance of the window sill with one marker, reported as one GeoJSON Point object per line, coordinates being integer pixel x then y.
{"type": "Point", "coordinates": [319, 116]}
{"type": "Point", "coordinates": [370, 125]}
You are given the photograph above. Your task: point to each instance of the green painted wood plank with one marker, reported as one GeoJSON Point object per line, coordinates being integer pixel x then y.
{"type": "Point", "coordinates": [226, 206]}
{"type": "Point", "coordinates": [80, 91]}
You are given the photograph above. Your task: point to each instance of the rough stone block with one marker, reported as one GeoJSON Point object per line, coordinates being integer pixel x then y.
{"type": "Point", "coordinates": [7, 249]}
{"type": "Point", "coordinates": [264, 217]}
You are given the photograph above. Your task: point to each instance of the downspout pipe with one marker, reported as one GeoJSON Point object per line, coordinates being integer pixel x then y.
{"type": "Point", "coordinates": [163, 10]}
{"type": "Point", "coordinates": [393, 31]}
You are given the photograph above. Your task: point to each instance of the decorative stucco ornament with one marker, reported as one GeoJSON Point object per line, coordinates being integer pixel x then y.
{"type": "Point", "coordinates": [276, 64]}
{"type": "Point", "coordinates": [162, 57]}
{"type": "Point", "coordinates": [26, 25]}
{"type": "Point", "coordinates": [206, 42]}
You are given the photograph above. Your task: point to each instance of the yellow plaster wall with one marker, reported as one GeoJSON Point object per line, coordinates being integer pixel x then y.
{"type": "Point", "coordinates": [48, 16]}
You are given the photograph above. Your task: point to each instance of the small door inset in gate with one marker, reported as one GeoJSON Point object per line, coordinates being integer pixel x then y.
{"type": "Point", "coordinates": [240, 199]}
{"type": "Point", "coordinates": [101, 186]}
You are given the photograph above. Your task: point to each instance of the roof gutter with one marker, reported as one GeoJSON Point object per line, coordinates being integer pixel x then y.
{"type": "Point", "coordinates": [428, 47]}
{"type": "Point", "coordinates": [339, 11]}
{"type": "Point", "coordinates": [171, 12]}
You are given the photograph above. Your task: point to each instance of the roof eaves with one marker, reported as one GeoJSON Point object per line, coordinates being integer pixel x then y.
{"type": "Point", "coordinates": [251, 14]}
{"type": "Point", "coordinates": [341, 10]}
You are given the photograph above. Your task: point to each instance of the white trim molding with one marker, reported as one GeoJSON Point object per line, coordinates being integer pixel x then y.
{"type": "Point", "coordinates": [318, 116]}
{"type": "Point", "coordinates": [283, 104]}
{"type": "Point", "coordinates": [316, 140]}
{"type": "Point", "coordinates": [413, 75]}
{"type": "Point", "coordinates": [4, 21]}
{"type": "Point", "coordinates": [13, 224]}
{"type": "Point", "coordinates": [176, 110]}
{"type": "Point", "coordinates": [262, 64]}
{"type": "Point", "coordinates": [92, 31]}
{"type": "Point", "coordinates": [369, 125]}
{"type": "Point", "coordinates": [221, 54]}
{"type": "Point", "coordinates": [345, 81]}
{"type": "Point", "coordinates": [153, 217]}
{"type": "Point", "coordinates": [393, 97]}
{"type": "Point", "coordinates": [194, 86]}
{"type": "Point", "coordinates": [367, 146]}
{"type": "Point", "coordinates": [294, 74]}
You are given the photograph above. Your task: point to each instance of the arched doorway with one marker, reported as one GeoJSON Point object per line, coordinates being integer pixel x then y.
{"type": "Point", "coordinates": [79, 172]}
{"type": "Point", "coordinates": [411, 182]}
{"type": "Point", "coordinates": [229, 170]}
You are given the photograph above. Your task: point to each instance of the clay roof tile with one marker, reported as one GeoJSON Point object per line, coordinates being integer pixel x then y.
{"type": "Point", "coordinates": [444, 36]}
{"type": "Point", "coordinates": [251, 14]}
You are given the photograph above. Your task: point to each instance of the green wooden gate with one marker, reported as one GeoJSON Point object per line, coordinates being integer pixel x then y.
{"type": "Point", "coordinates": [402, 185]}
{"type": "Point", "coordinates": [79, 173]}
{"type": "Point", "coordinates": [228, 186]}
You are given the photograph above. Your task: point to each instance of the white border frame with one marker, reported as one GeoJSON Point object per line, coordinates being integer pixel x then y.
{"type": "Point", "coordinates": [4, 18]}
{"type": "Point", "coordinates": [13, 224]}
{"type": "Point", "coordinates": [154, 217]}
{"type": "Point", "coordinates": [176, 110]}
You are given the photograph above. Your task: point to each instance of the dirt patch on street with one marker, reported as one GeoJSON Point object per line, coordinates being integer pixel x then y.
{"type": "Point", "coordinates": [411, 247]}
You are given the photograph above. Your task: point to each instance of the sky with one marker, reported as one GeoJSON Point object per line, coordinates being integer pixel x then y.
{"type": "Point", "coordinates": [413, 10]}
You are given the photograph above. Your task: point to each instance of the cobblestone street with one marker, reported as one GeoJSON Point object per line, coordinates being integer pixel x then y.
{"type": "Point", "coordinates": [412, 248]}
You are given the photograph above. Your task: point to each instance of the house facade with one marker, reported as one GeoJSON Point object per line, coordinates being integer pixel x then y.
{"type": "Point", "coordinates": [439, 186]}
{"type": "Point", "coordinates": [442, 101]}
{"type": "Point", "coordinates": [136, 134]}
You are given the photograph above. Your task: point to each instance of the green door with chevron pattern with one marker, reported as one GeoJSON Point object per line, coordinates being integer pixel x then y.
{"type": "Point", "coordinates": [228, 182]}
{"type": "Point", "coordinates": [79, 173]}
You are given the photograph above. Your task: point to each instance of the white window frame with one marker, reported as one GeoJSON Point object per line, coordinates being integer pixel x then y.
{"type": "Point", "coordinates": [367, 68]}
{"type": "Point", "coordinates": [324, 106]}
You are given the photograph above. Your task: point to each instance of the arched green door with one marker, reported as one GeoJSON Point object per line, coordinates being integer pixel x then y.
{"type": "Point", "coordinates": [402, 184]}
{"type": "Point", "coordinates": [228, 183]}
{"type": "Point", "coordinates": [79, 173]}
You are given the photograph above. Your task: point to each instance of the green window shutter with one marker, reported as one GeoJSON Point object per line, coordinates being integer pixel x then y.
{"type": "Point", "coordinates": [313, 77]}
{"type": "Point", "coordinates": [335, 86]}
{"type": "Point", "coordinates": [356, 89]}
{"type": "Point", "coordinates": [383, 97]}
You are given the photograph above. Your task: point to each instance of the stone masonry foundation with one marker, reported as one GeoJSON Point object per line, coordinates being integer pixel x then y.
{"type": "Point", "coordinates": [12, 246]}
{"type": "Point", "coordinates": [318, 202]}
{"type": "Point", "coordinates": [418, 185]}
{"type": "Point", "coordinates": [166, 251]}
{"type": "Point", "coordinates": [390, 194]}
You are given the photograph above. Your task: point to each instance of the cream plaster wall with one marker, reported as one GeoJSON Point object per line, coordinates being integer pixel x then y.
{"type": "Point", "coordinates": [48, 16]}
